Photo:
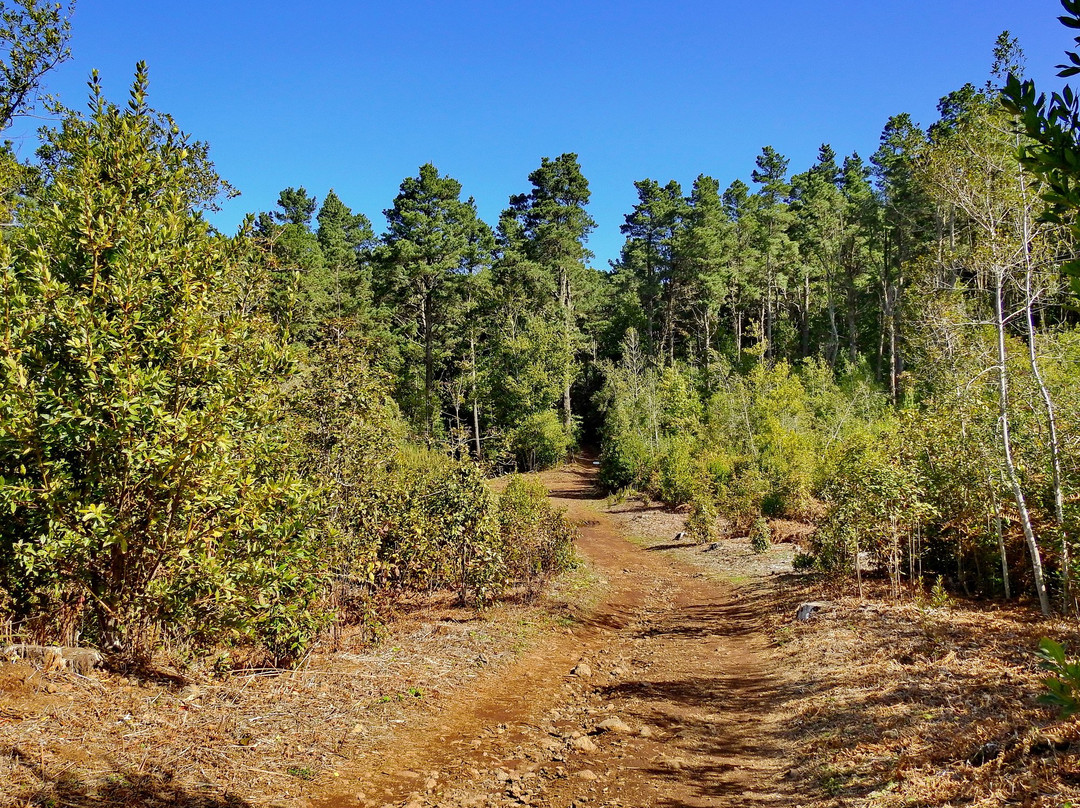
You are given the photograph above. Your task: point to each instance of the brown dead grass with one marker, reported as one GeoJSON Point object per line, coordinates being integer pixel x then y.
{"type": "Point", "coordinates": [897, 703]}
{"type": "Point", "coordinates": [902, 704]}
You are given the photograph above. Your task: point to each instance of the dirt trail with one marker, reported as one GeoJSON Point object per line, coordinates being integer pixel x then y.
{"type": "Point", "coordinates": [672, 703]}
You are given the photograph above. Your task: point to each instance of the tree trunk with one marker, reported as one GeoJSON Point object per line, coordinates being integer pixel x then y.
{"type": "Point", "coordinates": [475, 398]}
{"type": "Point", "coordinates": [708, 344]}
{"type": "Point", "coordinates": [564, 282]}
{"type": "Point", "coordinates": [429, 366]}
{"type": "Point", "coordinates": [995, 515]}
{"type": "Point", "coordinates": [833, 347]}
{"type": "Point", "coordinates": [804, 326]}
{"type": "Point", "coordinates": [1048, 402]}
{"type": "Point", "coordinates": [1006, 443]}
{"type": "Point", "coordinates": [738, 336]}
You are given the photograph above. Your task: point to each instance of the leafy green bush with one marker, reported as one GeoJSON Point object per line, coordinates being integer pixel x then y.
{"type": "Point", "coordinates": [741, 499]}
{"type": "Point", "coordinates": [1064, 684]}
{"type": "Point", "coordinates": [680, 476]}
{"type": "Point", "coordinates": [542, 441]}
{"type": "Point", "coordinates": [626, 461]}
{"type": "Point", "coordinates": [536, 539]}
{"type": "Point", "coordinates": [874, 499]}
{"type": "Point", "coordinates": [434, 520]}
{"type": "Point", "coordinates": [760, 536]}
{"type": "Point", "coordinates": [702, 524]}
{"type": "Point", "coordinates": [345, 430]}
{"type": "Point", "coordinates": [141, 460]}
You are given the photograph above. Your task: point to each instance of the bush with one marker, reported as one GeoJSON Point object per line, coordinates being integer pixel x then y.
{"type": "Point", "coordinates": [680, 477]}
{"type": "Point", "coordinates": [141, 464]}
{"type": "Point", "coordinates": [760, 536]}
{"type": "Point", "coordinates": [701, 526]}
{"type": "Point", "coordinates": [435, 526]}
{"type": "Point", "coordinates": [537, 539]}
{"type": "Point", "coordinates": [541, 441]}
{"type": "Point", "coordinates": [874, 500]}
{"type": "Point", "coordinates": [1063, 685]}
{"type": "Point", "coordinates": [741, 499]}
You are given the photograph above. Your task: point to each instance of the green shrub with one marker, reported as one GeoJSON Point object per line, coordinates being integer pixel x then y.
{"type": "Point", "coordinates": [541, 441]}
{"type": "Point", "coordinates": [741, 499]}
{"type": "Point", "coordinates": [142, 465]}
{"type": "Point", "coordinates": [628, 458]}
{"type": "Point", "coordinates": [436, 526]}
{"type": "Point", "coordinates": [702, 524]}
{"type": "Point", "coordinates": [760, 536]}
{"type": "Point", "coordinates": [536, 539]}
{"type": "Point", "coordinates": [680, 477]}
{"type": "Point", "coordinates": [873, 500]}
{"type": "Point", "coordinates": [1063, 685]}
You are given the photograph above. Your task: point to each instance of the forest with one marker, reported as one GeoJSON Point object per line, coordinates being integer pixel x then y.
{"type": "Point", "coordinates": [231, 444]}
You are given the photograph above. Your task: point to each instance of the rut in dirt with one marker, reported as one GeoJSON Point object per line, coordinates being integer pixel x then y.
{"type": "Point", "coordinates": [665, 694]}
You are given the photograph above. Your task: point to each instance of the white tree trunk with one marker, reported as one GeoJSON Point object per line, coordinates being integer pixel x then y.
{"type": "Point", "coordinates": [1006, 443]}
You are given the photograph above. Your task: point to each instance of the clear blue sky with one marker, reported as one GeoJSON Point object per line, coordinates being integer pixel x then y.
{"type": "Point", "coordinates": [356, 95]}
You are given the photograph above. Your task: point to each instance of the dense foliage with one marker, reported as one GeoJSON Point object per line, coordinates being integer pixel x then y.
{"type": "Point", "coordinates": [885, 350]}
{"type": "Point", "coordinates": [239, 440]}
{"type": "Point", "coordinates": [196, 446]}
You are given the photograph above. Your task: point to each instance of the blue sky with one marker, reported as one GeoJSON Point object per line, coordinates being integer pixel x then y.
{"type": "Point", "coordinates": [356, 95]}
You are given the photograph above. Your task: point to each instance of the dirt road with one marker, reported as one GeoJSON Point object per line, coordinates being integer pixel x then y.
{"type": "Point", "coordinates": [661, 696]}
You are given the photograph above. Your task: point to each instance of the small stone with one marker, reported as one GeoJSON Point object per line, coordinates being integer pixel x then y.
{"type": "Point", "coordinates": [807, 609]}
{"type": "Point", "coordinates": [586, 774]}
{"type": "Point", "coordinates": [614, 725]}
{"type": "Point", "coordinates": [583, 670]}
{"type": "Point", "coordinates": [620, 670]}
{"type": "Point", "coordinates": [583, 744]}
{"type": "Point", "coordinates": [430, 784]}
{"type": "Point", "coordinates": [502, 776]}
{"type": "Point", "coordinates": [647, 732]}
{"type": "Point", "coordinates": [551, 744]}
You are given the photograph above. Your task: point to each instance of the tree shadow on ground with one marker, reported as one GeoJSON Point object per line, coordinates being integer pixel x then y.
{"type": "Point", "coordinates": [126, 789]}
{"type": "Point", "coordinates": [678, 545]}
{"type": "Point", "coordinates": [880, 697]}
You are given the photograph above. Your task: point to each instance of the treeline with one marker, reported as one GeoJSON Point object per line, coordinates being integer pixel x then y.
{"type": "Point", "coordinates": [886, 348]}
{"type": "Point", "coordinates": [883, 346]}
{"type": "Point", "coordinates": [234, 442]}
{"type": "Point", "coordinates": [483, 332]}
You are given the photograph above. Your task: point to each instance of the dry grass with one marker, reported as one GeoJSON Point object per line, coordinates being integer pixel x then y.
{"type": "Point", "coordinates": [256, 737]}
{"type": "Point", "coordinates": [896, 703]}
{"type": "Point", "coordinates": [902, 704]}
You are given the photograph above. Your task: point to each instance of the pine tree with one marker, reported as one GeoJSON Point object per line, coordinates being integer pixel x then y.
{"type": "Point", "coordinates": [551, 228]}
{"type": "Point", "coordinates": [433, 238]}
{"type": "Point", "coordinates": [342, 237]}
